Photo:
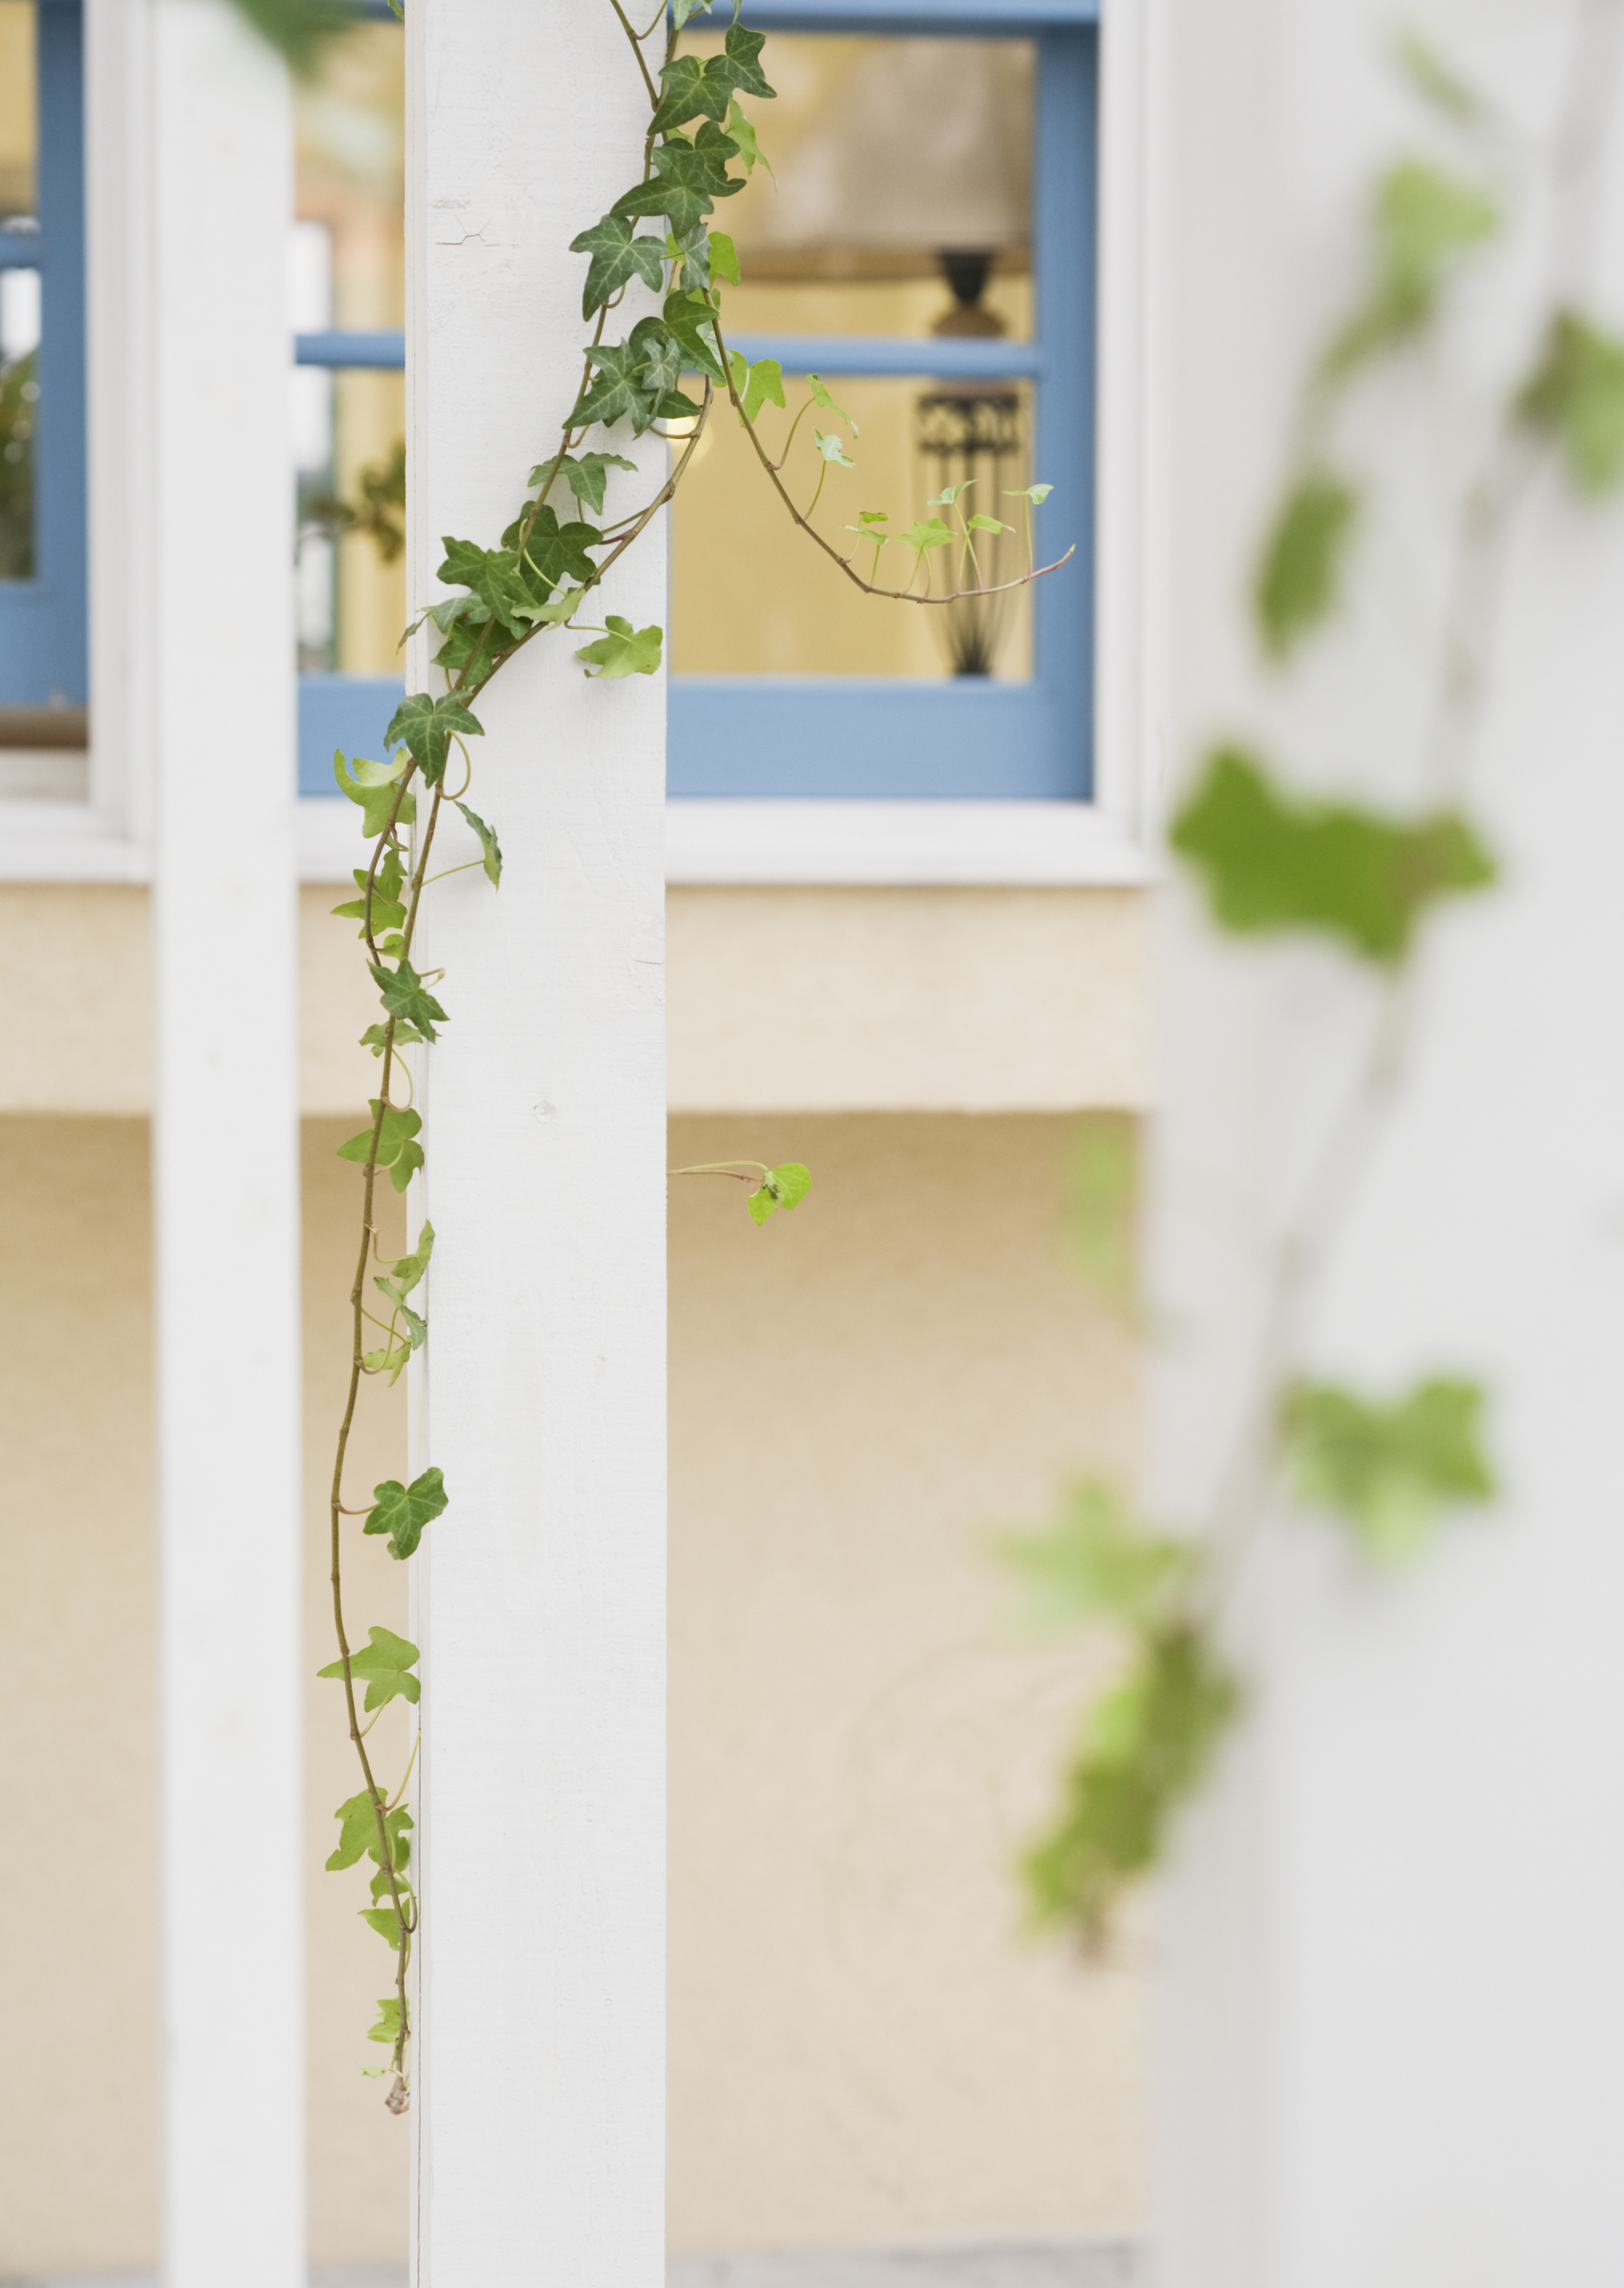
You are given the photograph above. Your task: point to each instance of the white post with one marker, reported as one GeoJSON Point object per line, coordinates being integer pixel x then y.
{"type": "Point", "coordinates": [219, 156]}
{"type": "Point", "coordinates": [540, 1593]}
{"type": "Point", "coordinates": [1395, 1986]}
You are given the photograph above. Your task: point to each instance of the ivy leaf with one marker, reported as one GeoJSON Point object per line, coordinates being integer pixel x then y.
{"type": "Point", "coordinates": [1145, 1749]}
{"type": "Point", "coordinates": [757, 383]}
{"type": "Point", "coordinates": [385, 1361]}
{"type": "Point", "coordinates": [929, 532]}
{"type": "Point", "coordinates": [623, 651]}
{"type": "Point", "coordinates": [401, 1512]}
{"type": "Point", "coordinates": [488, 843]}
{"type": "Point", "coordinates": [988, 524]}
{"type": "Point", "coordinates": [616, 257]}
{"type": "Point", "coordinates": [950, 494]}
{"type": "Point", "coordinates": [375, 1036]}
{"type": "Point", "coordinates": [409, 1271]}
{"type": "Point", "coordinates": [1036, 494]}
{"type": "Point", "coordinates": [424, 725]}
{"type": "Point", "coordinates": [405, 994]}
{"type": "Point", "coordinates": [688, 180]}
{"type": "Point", "coordinates": [1576, 395]}
{"type": "Point", "coordinates": [386, 1662]}
{"type": "Point", "coordinates": [386, 1922]}
{"type": "Point", "coordinates": [561, 610]}
{"type": "Point", "coordinates": [724, 258]}
{"type": "Point", "coordinates": [1096, 1563]}
{"type": "Point", "coordinates": [1300, 573]}
{"type": "Point", "coordinates": [585, 474]}
{"type": "Point", "coordinates": [358, 1834]}
{"type": "Point", "coordinates": [1272, 862]}
{"type": "Point", "coordinates": [553, 553]}
{"type": "Point", "coordinates": [784, 1186]}
{"type": "Point", "coordinates": [634, 378]}
{"type": "Point", "coordinates": [743, 134]}
{"type": "Point", "coordinates": [1389, 1471]}
{"type": "Point", "coordinates": [388, 2027]}
{"type": "Point", "coordinates": [693, 321]}
{"type": "Point", "coordinates": [833, 450]}
{"type": "Point", "coordinates": [1424, 221]}
{"type": "Point", "coordinates": [695, 87]}
{"type": "Point", "coordinates": [743, 48]}
{"type": "Point", "coordinates": [1433, 78]}
{"type": "Point", "coordinates": [372, 785]}
{"type": "Point", "coordinates": [388, 908]}
{"type": "Point", "coordinates": [681, 9]}
{"type": "Point", "coordinates": [406, 1164]}
{"type": "Point", "coordinates": [400, 1123]}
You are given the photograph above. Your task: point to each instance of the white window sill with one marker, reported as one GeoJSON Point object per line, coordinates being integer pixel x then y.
{"type": "Point", "coordinates": [1029, 844]}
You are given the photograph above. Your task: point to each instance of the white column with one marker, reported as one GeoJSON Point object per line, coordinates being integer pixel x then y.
{"type": "Point", "coordinates": [1395, 1988]}
{"type": "Point", "coordinates": [218, 154]}
{"type": "Point", "coordinates": [540, 1593]}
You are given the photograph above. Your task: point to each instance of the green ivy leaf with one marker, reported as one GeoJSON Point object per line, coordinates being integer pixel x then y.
{"type": "Point", "coordinates": [1389, 1471]}
{"type": "Point", "coordinates": [722, 257]}
{"type": "Point", "coordinates": [784, 1186]}
{"type": "Point", "coordinates": [384, 1361]}
{"type": "Point", "coordinates": [386, 1662]}
{"type": "Point", "coordinates": [688, 180]}
{"type": "Point", "coordinates": [757, 383]}
{"type": "Point", "coordinates": [409, 1270]}
{"type": "Point", "coordinates": [358, 1835]}
{"type": "Point", "coordinates": [634, 379]}
{"type": "Point", "coordinates": [623, 651]}
{"type": "Point", "coordinates": [1273, 863]}
{"type": "Point", "coordinates": [743, 134]}
{"type": "Point", "coordinates": [489, 843]}
{"type": "Point", "coordinates": [1096, 1563]}
{"type": "Point", "coordinates": [1433, 79]}
{"type": "Point", "coordinates": [401, 1512]}
{"type": "Point", "coordinates": [406, 1164]}
{"type": "Point", "coordinates": [693, 321]}
{"type": "Point", "coordinates": [386, 1922]}
{"type": "Point", "coordinates": [377, 1037]}
{"type": "Point", "coordinates": [616, 257]}
{"type": "Point", "coordinates": [400, 1123]}
{"type": "Point", "coordinates": [1145, 1749]}
{"type": "Point", "coordinates": [373, 786]}
{"type": "Point", "coordinates": [388, 2027]}
{"type": "Point", "coordinates": [1576, 395]}
{"type": "Point", "coordinates": [405, 994]}
{"type": "Point", "coordinates": [834, 450]}
{"type": "Point", "coordinates": [388, 906]}
{"type": "Point", "coordinates": [703, 88]}
{"type": "Point", "coordinates": [950, 494]}
{"type": "Point", "coordinates": [1036, 494]}
{"type": "Point", "coordinates": [988, 524]}
{"type": "Point", "coordinates": [681, 9]}
{"type": "Point", "coordinates": [762, 1203]}
{"type": "Point", "coordinates": [425, 726]}
{"type": "Point", "coordinates": [924, 533]}
{"type": "Point", "coordinates": [1300, 574]}
{"type": "Point", "coordinates": [1424, 222]}
{"type": "Point", "coordinates": [585, 474]}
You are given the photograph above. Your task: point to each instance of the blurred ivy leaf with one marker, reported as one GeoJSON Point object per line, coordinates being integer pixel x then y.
{"type": "Point", "coordinates": [409, 1270]}
{"type": "Point", "coordinates": [300, 30]}
{"type": "Point", "coordinates": [1423, 222]}
{"type": "Point", "coordinates": [358, 1834]}
{"type": "Point", "coordinates": [585, 474]}
{"type": "Point", "coordinates": [1389, 1471]}
{"type": "Point", "coordinates": [405, 994]}
{"type": "Point", "coordinates": [387, 1661]}
{"type": "Point", "coordinates": [1102, 1198]}
{"type": "Point", "coordinates": [1036, 494]}
{"type": "Point", "coordinates": [388, 2027]}
{"type": "Point", "coordinates": [488, 843]}
{"type": "Point", "coordinates": [372, 785]}
{"type": "Point", "coordinates": [756, 384]}
{"type": "Point", "coordinates": [924, 533]}
{"type": "Point", "coordinates": [625, 650]}
{"type": "Point", "coordinates": [820, 396]}
{"type": "Point", "coordinates": [833, 451]}
{"type": "Point", "coordinates": [1300, 574]}
{"type": "Point", "coordinates": [386, 1922]}
{"type": "Point", "coordinates": [688, 180]}
{"type": "Point", "coordinates": [426, 727]}
{"type": "Point", "coordinates": [1096, 1563]}
{"type": "Point", "coordinates": [1145, 1749]}
{"type": "Point", "coordinates": [616, 257]}
{"type": "Point", "coordinates": [1576, 395]}
{"type": "Point", "coordinates": [374, 1038]}
{"type": "Point", "coordinates": [988, 524]}
{"type": "Point", "coordinates": [399, 1124]}
{"type": "Point", "coordinates": [681, 9]}
{"type": "Point", "coordinates": [401, 1512]}
{"type": "Point", "coordinates": [783, 1187]}
{"type": "Point", "coordinates": [1437, 82]}
{"type": "Point", "coordinates": [1272, 861]}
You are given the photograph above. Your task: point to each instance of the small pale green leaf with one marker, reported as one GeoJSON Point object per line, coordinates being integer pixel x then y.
{"type": "Point", "coordinates": [745, 141]}
{"type": "Point", "coordinates": [820, 396]}
{"type": "Point", "coordinates": [833, 450]}
{"type": "Point", "coordinates": [1576, 395]}
{"type": "Point", "coordinates": [925, 533]}
{"type": "Point", "coordinates": [372, 785]}
{"type": "Point", "coordinates": [1299, 577]}
{"type": "Point", "coordinates": [405, 1165]}
{"type": "Point", "coordinates": [388, 2027]}
{"type": "Point", "coordinates": [1097, 1562]}
{"type": "Point", "coordinates": [375, 1036]}
{"type": "Point", "coordinates": [385, 1361]}
{"type": "Point", "coordinates": [405, 994]}
{"type": "Point", "coordinates": [988, 524]}
{"type": "Point", "coordinates": [401, 1512]}
{"type": "Point", "coordinates": [762, 1203]}
{"type": "Point", "coordinates": [950, 494]}
{"type": "Point", "coordinates": [585, 474]}
{"type": "Point", "coordinates": [1437, 82]}
{"type": "Point", "coordinates": [756, 384]}
{"type": "Point", "coordinates": [1423, 223]}
{"type": "Point", "coordinates": [358, 1834]}
{"type": "Point", "coordinates": [723, 258]}
{"type": "Point", "coordinates": [488, 843]}
{"type": "Point", "coordinates": [1389, 1471]}
{"type": "Point", "coordinates": [386, 1662]}
{"type": "Point", "coordinates": [399, 1124]}
{"type": "Point", "coordinates": [791, 1182]}
{"type": "Point", "coordinates": [1272, 861]}
{"type": "Point", "coordinates": [1036, 494]}
{"type": "Point", "coordinates": [624, 650]}
{"type": "Point", "coordinates": [386, 1922]}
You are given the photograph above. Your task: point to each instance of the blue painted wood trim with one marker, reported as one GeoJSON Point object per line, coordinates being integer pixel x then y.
{"type": "Point", "coordinates": [21, 249]}
{"type": "Point", "coordinates": [927, 358]}
{"type": "Point", "coordinates": [865, 736]}
{"type": "Point", "coordinates": [382, 347]}
{"type": "Point", "coordinates": [43, 648]}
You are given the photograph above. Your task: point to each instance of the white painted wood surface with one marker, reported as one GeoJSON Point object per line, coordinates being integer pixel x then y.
{"type": "Point", "coordinates": [1395, 1993]}
{"type": "Point", "coordinates": [539, 1595]}
{"type": "Point", "coordinates": [208, 109]}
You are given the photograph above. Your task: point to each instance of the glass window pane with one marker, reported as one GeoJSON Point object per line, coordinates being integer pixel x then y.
{"type": "Point", "coordinates": [20, 289]}
{"type": "Point", "coordinates": [348, 270]}
{"type": "Point", "coordinates": [902, 199]}
{"type": "Point", "coordinates": [751, 595]}
{"type": "Point", "coordinates": [17, 113]}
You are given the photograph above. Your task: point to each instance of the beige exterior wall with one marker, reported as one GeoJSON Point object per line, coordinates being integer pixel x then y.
{"type": "Point", "coordinates": [864, 2049]}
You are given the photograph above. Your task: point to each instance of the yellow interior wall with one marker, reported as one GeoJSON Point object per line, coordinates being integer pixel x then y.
{"type": "Point", "coordinates": [863, 2047]}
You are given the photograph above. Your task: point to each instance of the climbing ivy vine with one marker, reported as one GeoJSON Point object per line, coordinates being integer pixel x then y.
{"type": "Point", "coordinates": [656, 242]}
{"type": "Point", "coordinates": [1270, 861]}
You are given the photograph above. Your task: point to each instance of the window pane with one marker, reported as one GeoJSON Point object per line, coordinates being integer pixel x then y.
{"type": "Point", "coordinates": [751, 595]}
{"type": "Point", "coordinates": [348, 270]}
{"type": "Point", "coordinates": [20, 290]}
{"type": "Point", "coordinates": [902, 204]}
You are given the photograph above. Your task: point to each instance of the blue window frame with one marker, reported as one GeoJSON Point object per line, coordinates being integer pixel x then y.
{"type": "Point", "coordinates": [881, 736]}
{"type": "Point", "coordinates": [43, 649]}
